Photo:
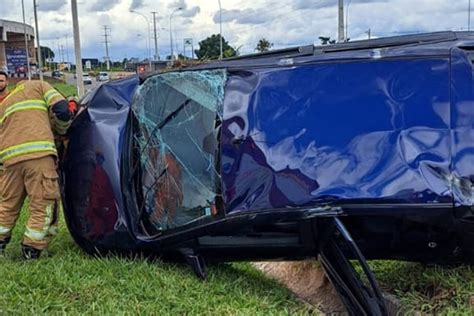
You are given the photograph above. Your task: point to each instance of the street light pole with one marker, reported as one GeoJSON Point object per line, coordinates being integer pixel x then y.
{"type": "Point", "coordinates": [40, 59]}
{"type": "Point", "coordinates": [157, 55]}
{"type": "Point", "coordinates": [26, 41]}
{"type": "Point", "coordinates": [149, 35]}
{"type": "Point", "coordinates": [469, 16]}
{"type": "Point", "coordinates": [171, 33]}
{"type": "Point", "coordinates": [77, 48]}
{"type": "Point", "coordinates": [347, 20]}
{"type": "Point", "coordinates": [147, 48]}
{"type": "Point", "coordinates": [340, 24]}
{"type": "Point", "coordinates": [220, 28]}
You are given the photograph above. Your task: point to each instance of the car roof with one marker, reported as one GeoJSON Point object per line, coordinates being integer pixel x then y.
{"type": "Point", "coordinates": [417, 45]}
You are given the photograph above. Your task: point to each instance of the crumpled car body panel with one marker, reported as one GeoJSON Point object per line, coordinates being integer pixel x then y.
{"type": "Point", "coordinates": [378, 136]}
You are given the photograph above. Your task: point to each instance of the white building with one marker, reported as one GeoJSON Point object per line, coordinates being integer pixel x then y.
{"type": "Point", "coordinates": [12, 45]}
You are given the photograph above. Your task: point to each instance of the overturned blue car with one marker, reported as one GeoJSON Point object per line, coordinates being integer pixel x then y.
{"type": "Point", "coordinates": [361, 150]}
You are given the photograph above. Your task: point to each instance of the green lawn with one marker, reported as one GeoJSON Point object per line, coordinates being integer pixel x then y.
{"type": "Point", "coordinates": [72, 282]}
{"type": "Point", "coordinates": [66, 89]}
{"type": "Point", "coordinates": [431, 289]}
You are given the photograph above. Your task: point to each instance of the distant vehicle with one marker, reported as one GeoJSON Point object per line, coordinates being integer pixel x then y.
{"type": "Point", "coordinates": [86, 79]}
{"type": "Point", "coordinates": [349, 151]}
{"type": "Point", "coordinates": [57, 74]}
{"type": "Point", "coordinates": [103, 76]}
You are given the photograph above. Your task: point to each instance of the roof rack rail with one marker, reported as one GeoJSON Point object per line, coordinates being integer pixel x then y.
{"type": "Point", "coordinates": [390, 41]}
{"type": "Point", "coordinates": [286, 52]}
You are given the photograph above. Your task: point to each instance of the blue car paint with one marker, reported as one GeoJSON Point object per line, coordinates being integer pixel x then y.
{"type": "Point", "coordinates": [386, 126]}
{"type": "Point", "coordinates": [94, 201]}
{"type": "Point", "coordinates": [322, 133]}
{"type": "Point", "coordinates": [462, 122]}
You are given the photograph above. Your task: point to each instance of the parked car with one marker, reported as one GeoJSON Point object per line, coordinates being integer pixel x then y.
{"type": "Point", "coordinates": [57, 74]}
{"type": "Point", "coordinates": [86, 79]}
{"type": "Point", "coordinates": [103, 76]}
{"type": "Point", "coordinates": [348, 151]}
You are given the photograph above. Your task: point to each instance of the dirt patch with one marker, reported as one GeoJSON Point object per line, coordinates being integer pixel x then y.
{"type": "Point", "coordinates": [307, 280]}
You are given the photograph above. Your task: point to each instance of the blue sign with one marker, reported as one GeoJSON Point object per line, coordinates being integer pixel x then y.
{"type": "Point", "coordinates": [16, 57]}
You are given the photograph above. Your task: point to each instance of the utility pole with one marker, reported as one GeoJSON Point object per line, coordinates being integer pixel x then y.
{"type": "Point", "coordinates": [220, 30]}
{"type": "Point", "coordinates": [59, 53]}
{"type": "Point", "coordinates": [368, 33]}
{"type": "Point", "coordinates": [77, 48]}
{"type": "Point", "coordinates": [26, 41]}
{"type": "Point", "coordinates": [40, 57]}
{"type": "Point", "coordinates": [62, 54]}
{"type": "Point", "coordinates": [67, 50]}
{"type": "Point", "coordinates": [106, 28]}
{"type": "Point", "coordinates": [157, 55]}
{"type": "Point", "coordinates": [340, 25]}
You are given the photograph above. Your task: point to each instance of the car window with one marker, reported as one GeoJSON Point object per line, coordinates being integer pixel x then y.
{"type": "Point", "coordinates": [178, 115]}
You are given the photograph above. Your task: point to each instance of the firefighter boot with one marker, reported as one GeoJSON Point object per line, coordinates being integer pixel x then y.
{"type": "Point", "coordinates": [30, 253]}
{"type": "Point", "coordinates": [3, 245]}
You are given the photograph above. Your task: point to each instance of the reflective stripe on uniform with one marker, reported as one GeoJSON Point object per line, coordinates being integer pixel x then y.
{"type": "Point", "coordinates": [17, 89]}
{"type": "Point", "coordinates": [39, 235]}
{"type": "Point", "coordinates": [27, 148]}
{"type": "Point", "coordinates": [4, 230]}
{"type": "Point", "coordinates": [24, 105]}
{"type": "Point", "coordinates": [51, 94]}
{"type": "Point", "coordinates": [53, 231]}
{"type": "Point", "coordinates": [35, 234]}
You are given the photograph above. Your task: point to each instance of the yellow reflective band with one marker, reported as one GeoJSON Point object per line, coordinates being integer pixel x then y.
{"type": "Point", "coordinates": [4, 230]}
{"type": "Point", "coordinates": [24, 105]}
{"type": "Point", "coordinates": [27, 148]}
{"type": "Point", "coordinates": [53, 231]}
{"type": "Point", "coordinates": [51, 94]}
{"type": "Point", "coordinates": [34, 234]}
{"type": "Point", "coordinates": [17, 89]}
{"type": "Point", "coordinates": [48, 218]}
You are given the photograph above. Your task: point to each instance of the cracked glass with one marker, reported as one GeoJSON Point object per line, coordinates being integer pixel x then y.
{"type": "Point", "coordinates": [179, 115]}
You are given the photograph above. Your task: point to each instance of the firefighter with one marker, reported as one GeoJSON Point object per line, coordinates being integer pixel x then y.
{"type": "Point", "coordinates": [28, 115]}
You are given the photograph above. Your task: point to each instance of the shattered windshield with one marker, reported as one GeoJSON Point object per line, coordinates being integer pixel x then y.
{"type": "Point", "coordinates": [178, 116]}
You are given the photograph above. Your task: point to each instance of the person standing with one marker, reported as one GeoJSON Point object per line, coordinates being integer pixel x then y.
{"type": "Point", "coordinates": [28, 115]}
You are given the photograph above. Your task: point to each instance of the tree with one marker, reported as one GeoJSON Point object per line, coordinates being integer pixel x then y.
{"type": "Point", "coordinates": [326, 40]}
{"type": "Point", "coordinates": [209, 48]}
{"type": "Point", "coordinates": [263, 45]}
{"type": "Point", "coordinates": [46, 54]}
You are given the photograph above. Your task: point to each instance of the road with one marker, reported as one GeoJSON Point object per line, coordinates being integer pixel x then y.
{"type": "Point", "coordinates": [72, 81]}
{"type": "Point", "coordinates": [88, 87]}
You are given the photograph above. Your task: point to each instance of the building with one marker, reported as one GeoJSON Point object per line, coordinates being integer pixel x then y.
{"type": "Point", "coordinates": [12, 46]}
{"type": "Point", "coordinates": [90, 63]}
{"type": "Point", "coordinates": [156, 66]}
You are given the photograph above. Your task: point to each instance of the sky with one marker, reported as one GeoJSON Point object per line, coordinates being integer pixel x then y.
{"type": "Point", "coordinates": [284, 23]}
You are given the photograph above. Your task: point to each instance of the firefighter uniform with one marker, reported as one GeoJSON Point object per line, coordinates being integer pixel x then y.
{"type": "Point", "coordinates": [28, 154]}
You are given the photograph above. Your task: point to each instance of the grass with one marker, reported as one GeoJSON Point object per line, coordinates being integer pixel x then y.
{"type": "Point", "coordinates": [431, 289]}
{"type": "Point", "coordinates": [64, 88]}
{"type": "Point", "coordinates": [74, 283]}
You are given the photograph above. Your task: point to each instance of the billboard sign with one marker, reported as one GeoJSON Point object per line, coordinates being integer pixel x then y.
{"type": "Point", "coordinates": [16, 58]}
